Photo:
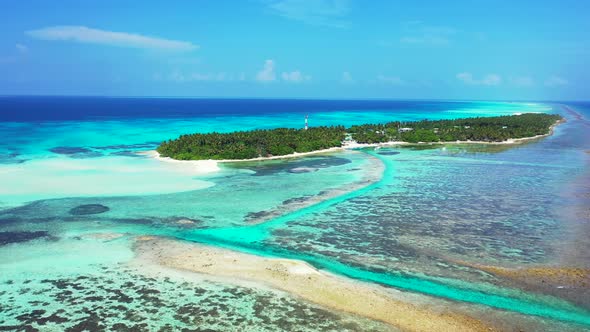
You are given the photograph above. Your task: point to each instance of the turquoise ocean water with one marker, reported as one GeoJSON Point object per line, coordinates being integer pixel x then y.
{"type": "Point", "coordinates": [434, 213]}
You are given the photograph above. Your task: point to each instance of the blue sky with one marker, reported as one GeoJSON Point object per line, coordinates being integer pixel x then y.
{"type": "Point", "coordinates": [476, 49]}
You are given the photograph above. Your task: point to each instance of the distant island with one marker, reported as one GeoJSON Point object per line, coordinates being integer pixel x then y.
{"type": "Point", "coordinates": [243, 145]}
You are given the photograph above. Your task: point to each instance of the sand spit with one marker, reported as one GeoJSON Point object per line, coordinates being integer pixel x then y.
{"type": "Point", "coordinates": [302, 280]}
{"type": "Point", "coordinates": [372, 174]}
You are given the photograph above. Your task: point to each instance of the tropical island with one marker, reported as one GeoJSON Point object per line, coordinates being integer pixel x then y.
{"type": "Point", "coordinates": [242, 145]}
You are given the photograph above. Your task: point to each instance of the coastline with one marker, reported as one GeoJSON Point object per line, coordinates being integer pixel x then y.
{"type": "Point", "coordinates": [301, 280]}
{"type": "Point", "coordinates": [156, 154]}
{"type": "Point", "coordinates": [200, 166]}
{"type": "Point", "coordinates": [211, 165]}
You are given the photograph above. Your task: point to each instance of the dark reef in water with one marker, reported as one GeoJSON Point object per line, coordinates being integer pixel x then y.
{"type": "Point", "coordinates": [126, 153]}
{"type": "Point", "coordinates": [299, 170]}
{"type": "Point", "coordinates": [16, 237]}
{"type": "Point", "coordinates": [69, 150]}
{"type": "Point", "coordinates": [251, 216]}
{"type": "Point", "coordinates": [120, 300]}
{"type": "Point", "coordinates": [86, 155]}
{"type": "Point", "coordinates": [75, 152]}
{"type": "Point", "coordinates": [146, 145]}
{"type": "Point", "coordinates": [11, 158]}
{"type": "Point", "coordinates": [70, 210]}
{"type": "Point", "coordinates": [388, 153]}
{"type": "Point", "coordinates": [89, 209]}
{"type": "Point", "coordinates": [296, 166]}
{"type": "Point", "coordinates": [353, 169]}
{"type": "Point", "coordinates": [297, 199]}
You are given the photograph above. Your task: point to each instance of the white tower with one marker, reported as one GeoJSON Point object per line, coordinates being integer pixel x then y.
{"type": "Point", "coordinates": [305, 121]}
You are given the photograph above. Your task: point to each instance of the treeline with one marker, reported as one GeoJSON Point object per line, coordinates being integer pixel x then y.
{"type": "Point", "coordinates": [284, 141]}
{"type": "Point", "coordinates": [252, 144]}
{"type": "Point", "coordinates": [486, 129]}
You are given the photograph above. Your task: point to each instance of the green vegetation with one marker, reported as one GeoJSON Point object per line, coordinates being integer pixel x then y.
{"type": "Point", "coordinates": [283, 141]}
{"type": "Point", "coordinates": [252, 144]}
{"type": "Point", "coordinates": [485, 129]}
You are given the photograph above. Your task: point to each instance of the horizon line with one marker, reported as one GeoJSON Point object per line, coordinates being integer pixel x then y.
{"type": "Point", "coordinates": [285, 98]}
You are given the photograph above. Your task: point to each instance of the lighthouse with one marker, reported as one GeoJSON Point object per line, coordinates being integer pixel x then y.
{"type": "Point", "coordinates": [306, 121]}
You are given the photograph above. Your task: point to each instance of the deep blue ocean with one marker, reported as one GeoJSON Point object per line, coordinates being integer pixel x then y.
{"type": "Point", "coordinates": [38, 108]}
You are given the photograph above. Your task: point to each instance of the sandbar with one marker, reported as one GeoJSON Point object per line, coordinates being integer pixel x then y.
{"type": "Point", "coordinates": [304, 281]}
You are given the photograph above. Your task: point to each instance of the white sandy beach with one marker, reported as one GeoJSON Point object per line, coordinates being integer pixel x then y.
{"type": "Point", "coordinates": [210, 165]}
{"type": "Point", "coordinates": [197, 166]}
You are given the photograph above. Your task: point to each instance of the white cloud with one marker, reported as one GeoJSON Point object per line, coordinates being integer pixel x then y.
{"type": "Point", "coordinates": [394, 80]}
{"type": "Point", "coordinates": [330, 13]}
{"type": "Point", "coordinates": [295, 77]}
{"type": "Point", "coordinates": [84, 34]}
{"type": "Point", "coordinates": [22, 49]}
{"type": "Point", "coordinates": [522, 81]}
{"type": "Point", "coordinates": [267, 74]}
{"type": "Point", "coordinates": [347, 78]}
{"type": "Point", "coordinates": [490, 79]}
{"type": "Point", "coordinates": [556, 81]}
{"type": "Point", "coordinates": [465, 77]}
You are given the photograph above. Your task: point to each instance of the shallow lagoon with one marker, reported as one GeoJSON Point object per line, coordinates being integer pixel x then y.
{"type": "Point", "coordinates": [435, 215]}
